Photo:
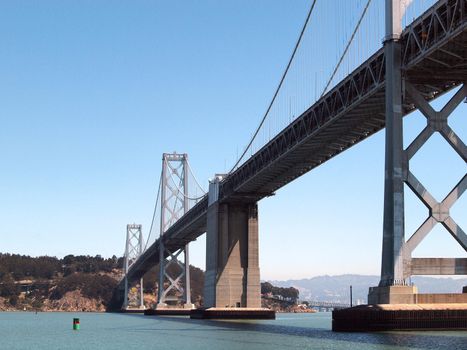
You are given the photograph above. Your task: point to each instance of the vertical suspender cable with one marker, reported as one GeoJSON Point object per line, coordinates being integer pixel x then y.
{"type": "Point", "coordinates": [278, 87]}
{"type": "Point", "coordinates": [346, 48]}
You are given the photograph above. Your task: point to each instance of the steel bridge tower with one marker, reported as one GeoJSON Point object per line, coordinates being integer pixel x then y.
{"type": "Point", "coordinates": [174, 275]}
{"type": "Point", "coordinates": [133, 250]}
{"type": "Point", "coordinates": [397, 262]}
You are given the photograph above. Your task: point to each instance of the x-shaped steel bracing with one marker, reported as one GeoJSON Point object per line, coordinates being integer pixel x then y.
{"type": "Point", "coordinates": [174, 283]}
{"type": "Point", "coordinates": [439, 211]}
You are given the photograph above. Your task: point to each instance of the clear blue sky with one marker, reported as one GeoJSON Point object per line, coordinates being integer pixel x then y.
{"type": "Point", "coordinates": [93, 92]}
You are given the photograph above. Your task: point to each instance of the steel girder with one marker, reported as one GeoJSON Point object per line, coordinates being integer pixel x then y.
{"type": "Point", "coordinates": [354, 109]}
{"type": "Point", "coordinates": [186, 229]}
{"type": "Point", "coordinates": [423, 36]}
{"type": "Point", "coordinates": [315, 136]}
{"type": "Point", "coordinates": [434, 50]}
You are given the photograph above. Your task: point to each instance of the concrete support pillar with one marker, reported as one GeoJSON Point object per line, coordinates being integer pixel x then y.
{"type": "Point", "coordinates": [232, 267]}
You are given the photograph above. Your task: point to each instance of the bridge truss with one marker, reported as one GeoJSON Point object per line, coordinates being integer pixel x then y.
{"type": "Point", "coordinates": [433, 61]}
{"type": "Point", "coordinates": [174, 275]}
{"type": "Point", "coordinates": [133, 250]}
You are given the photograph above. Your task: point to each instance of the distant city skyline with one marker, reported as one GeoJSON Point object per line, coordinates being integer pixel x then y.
{"type": "Point", "coordinates": [94, 92]}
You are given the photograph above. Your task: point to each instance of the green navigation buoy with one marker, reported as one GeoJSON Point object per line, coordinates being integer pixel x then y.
{"type": "Point", "coordinates": [76, 324]}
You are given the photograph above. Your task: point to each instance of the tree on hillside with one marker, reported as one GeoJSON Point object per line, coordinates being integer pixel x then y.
{"type": "Point", "coordinates": [290, 293]}
{"type": "Point", "coordinates": [98, 287]}
{"type": "Point", "coordinates": [8, 288]}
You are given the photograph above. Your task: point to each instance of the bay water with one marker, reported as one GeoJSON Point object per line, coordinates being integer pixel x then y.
{"type": "Point", "coordinates": [49, 331]}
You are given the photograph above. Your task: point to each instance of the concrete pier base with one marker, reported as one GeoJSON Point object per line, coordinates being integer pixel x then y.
{"type": "Point", "coordinates": [234, 313]}
{"type": "Point", "coordinates": [168, 312]}
{"type": "Point", "coordinates": [367, 318]}
{"type": "Point", "coordinates": [402, 308]}
{"type": "Point", "coordinates": [409, 295]}
{"type": "Point", "coordinates": [392, 295]}
{"type": "Point", "coordinates": [133, 310]}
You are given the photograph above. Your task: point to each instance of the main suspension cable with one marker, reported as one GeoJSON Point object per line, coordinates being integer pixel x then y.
{"type": "Point", "coordinates": [194, 177]}
{"type": "Point", "coordinates": [155, 210]}
{"type": "Point", "coordinates": [346, 48]}
{"type": "Point", "coordinates": [277, 89]}
{"type": "Point", "coordinates": [183, 194]}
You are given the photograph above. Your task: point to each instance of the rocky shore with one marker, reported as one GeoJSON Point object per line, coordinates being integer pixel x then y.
{"type": "Point", "coordinates": [72, 301]}
{"type": "Point", "coordinates": [284, 306]}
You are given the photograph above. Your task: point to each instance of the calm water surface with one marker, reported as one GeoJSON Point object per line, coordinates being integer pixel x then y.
{"type": "Point", "coordinates": [23, 330]}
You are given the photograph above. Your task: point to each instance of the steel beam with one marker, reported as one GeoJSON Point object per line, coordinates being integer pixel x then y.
{"type": "Point", "coordinates": [392, 266]}
{"type": "Point", "coordinates": [357, 102]}
{"type": "Point", "coordinates": [396, 253]}
{"type": "Point", "coordinates": [438, 266]}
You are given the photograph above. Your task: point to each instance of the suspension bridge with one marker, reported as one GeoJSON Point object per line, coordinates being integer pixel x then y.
{"type": "Point", "coordinates": [391, 58]}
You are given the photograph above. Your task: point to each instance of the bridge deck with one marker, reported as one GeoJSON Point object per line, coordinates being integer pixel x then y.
{"type": "Point", "coordinates": [434, 60]}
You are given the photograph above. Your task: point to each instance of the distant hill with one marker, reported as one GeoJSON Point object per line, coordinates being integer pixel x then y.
{"type": "Point", "coordinates": [336, 288]}
{"type": "Point", "coordinates": [73, 283]}
{"type": "Point", "coordinates": [85, 283]}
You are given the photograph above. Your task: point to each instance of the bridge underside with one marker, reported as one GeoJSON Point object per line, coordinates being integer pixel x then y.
{"type": "Point", "coordinates": [434, 51]}
{"type": "Point", "coordinates": [434, 61]}
{"type": "Point", "coordinates": [187, 229]}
